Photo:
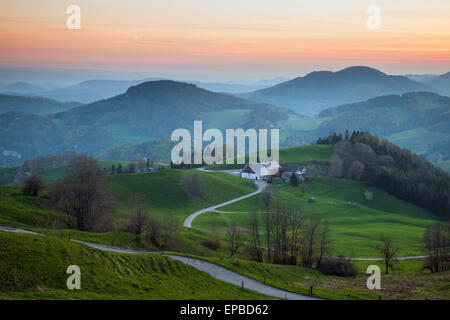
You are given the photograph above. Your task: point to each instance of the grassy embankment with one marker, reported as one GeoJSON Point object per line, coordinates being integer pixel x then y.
{"type": "Point", "coordinates": [34, 267]}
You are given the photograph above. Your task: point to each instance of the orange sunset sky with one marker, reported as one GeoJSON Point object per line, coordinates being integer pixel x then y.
{"type": "Point", "coordinates": [241, 37]}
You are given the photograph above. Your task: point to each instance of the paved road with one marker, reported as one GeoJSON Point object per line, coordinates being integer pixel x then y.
{"type": "Point", "coordinates": [260, 184]}
{"type": "Point", "coordinates": [216, 271]}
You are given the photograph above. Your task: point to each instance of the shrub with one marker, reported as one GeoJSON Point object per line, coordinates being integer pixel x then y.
{"type": "Point", "coordinates": [212, 242]}
{"type": "Point", "coordinates": [33, 185]}
{"type": "Point", "coordinates": [338, 267]}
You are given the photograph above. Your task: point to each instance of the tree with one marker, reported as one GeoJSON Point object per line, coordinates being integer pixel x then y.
{"type": "Point", "coordinates": [303, 187]}
{"type": "Point", "coordinates": [234, 235]}
{"type": "Point", "coordinates": [267, 197]}
{"type": "Point", "coordinates": [309, 243]}
{"type": "Point", "coordinates": [437, 243]}
{"type": "Point", "coordinates": [256, 242]}
{"type": "Point", "coordinates": [139, 218]}
{"type": "Point", "coordinates": [336, 166]}
{"type": "Point", "coordinates": [142, 165]}
{"type": "Point", "coordinates": [132, 168]}
{"type": "Point", "coordinates": [293, 180]}
{"type": "Point", "coordinates": [387, 250]}
{"type": "Point", "coordinates": [170, 237]}
{"type": "Point", "coordinates": [84, 194]}
{"type": "Point", "coordinates": [33, 185]}
{"type": "Point", "coordinates": [155, 230]}
{"type": "Point", "coordinates": [324, 242]}
{"type": "Point", "coordinates": [268, 219]}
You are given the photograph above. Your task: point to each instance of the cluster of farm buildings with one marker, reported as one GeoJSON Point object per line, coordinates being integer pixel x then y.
{"type": "Point", "coordinates": [271, 169]}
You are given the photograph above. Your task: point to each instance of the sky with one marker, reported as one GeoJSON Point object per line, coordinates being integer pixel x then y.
{"type": "Point", "coordinates": [226, 39]}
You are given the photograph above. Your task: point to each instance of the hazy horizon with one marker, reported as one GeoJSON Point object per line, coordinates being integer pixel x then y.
{"type": "Point", "coordinates": [222, 41]}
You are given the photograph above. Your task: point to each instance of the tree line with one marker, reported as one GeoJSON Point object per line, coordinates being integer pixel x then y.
{"type": "Point", "coordinates": [283, 234]}
{"type": "Point", "coordinates": [379, 163]}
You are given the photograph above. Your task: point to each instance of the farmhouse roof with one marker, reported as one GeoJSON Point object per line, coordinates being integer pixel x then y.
{"type": "Point", "coordinates": [262, 169]}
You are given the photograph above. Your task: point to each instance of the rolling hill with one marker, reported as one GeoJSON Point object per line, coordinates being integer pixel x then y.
{"type": "Point", "coordinates": [146, 112]}
{"type": "Point", "coordinates": [33, 105]}
{"type": "Point", "coordinates": [441, 83]}
{"type": "Point", "coordinates": [355, 223]}
{"type": "Point", "coordinates": [33, 267]}
{"type": "Point", "coordinates": [320, 90]}
{"type": "Point", "coordinates": [20, 88]}
{"type": "Point", "coordinates": [417, 121]}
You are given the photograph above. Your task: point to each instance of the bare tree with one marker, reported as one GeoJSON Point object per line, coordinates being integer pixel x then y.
{"type": "Point", "coordinates": [309, 242]}
{"type": "Point", "coordinates": [139, 217]}
{"type": "Point", "coordinates": [33, 185]}
{"type": "Point", "coordinates": [170, 234]}
{"type": "Point", "coordinates": [437, 243]}
{"type": "Point", "coordinates": [303, 187]}
{"type": "Point", "coordinates": [324, 242]}
{"type": "Point", "coordinates": [336, 166]}
{"type": "Point", "coordinates": [296, 220]}
{"type": "Point", "coordinates": [256, 242]}
{"type": "Point", "coordinates": [155, 230]}
{"type": "Point", "coordinates": [267, 197]}
{"type": "Point", "coordinates": [234, 235]}
{"type": "Point", "coordinates": [142, 165]}
{"type": "Point", "coordinates": [84, 195]}
{"type": "Point", "coordinates": [387, 250]}
{"type": "Point", "coordinates": [268, 219]}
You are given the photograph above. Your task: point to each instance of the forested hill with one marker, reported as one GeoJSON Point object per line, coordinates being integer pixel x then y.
{"type": "Point", "coordinates": [148, 111]}
{"type": "Point", "coordinates": [390, 114]}
{"type": "Point", "coordinates": [324, 89]}
{"type": "Point", "coordinates": [34, 105]}
{"type": "Point", "coordinates": [362, 156]}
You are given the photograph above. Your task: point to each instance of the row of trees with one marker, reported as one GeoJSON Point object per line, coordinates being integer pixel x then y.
{"type": "Point", "coordinates": [291, 237]}
{"type": "Point", "coordinates": [143, 165]}
{"type": "Point", "coordinates": [39, 164]}
{"type": "Point", "coordinates": [159, 230]}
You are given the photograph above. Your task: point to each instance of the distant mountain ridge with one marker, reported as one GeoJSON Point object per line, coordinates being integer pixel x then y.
{"type": "Point", "coordinates": [148, 111]}
{"type": "Point", "coordinates": [34, 105]}
{"type": "Point", "coordinates": [320, 90]}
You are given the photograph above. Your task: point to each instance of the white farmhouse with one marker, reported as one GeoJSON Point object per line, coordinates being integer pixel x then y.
{"type": "Point", "coordinates": [258, 171]}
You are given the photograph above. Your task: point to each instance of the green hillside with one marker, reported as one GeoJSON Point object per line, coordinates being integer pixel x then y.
{"type": "Point", "coordinates": [295, 155]}
{"type": "Point", "coordinates": [18, 210]}
{"type": "Point", "coordinates": [34, 267]}
{"type": "Point", "coordinates": [306, 153]}
{"type": "Point", "coordinates": [180, 192]}
{"type": "Point", "coordinates": [51, 175]}
{"type": "Point", "coordinates": [355, 223]}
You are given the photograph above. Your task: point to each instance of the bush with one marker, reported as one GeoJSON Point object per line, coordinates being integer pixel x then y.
{"type": "Point", "coordinates": [33, 185]}
{"type": "Point", "coordinates": [212, 242]}
{"type": "Point", "coordinates": [338, 267]}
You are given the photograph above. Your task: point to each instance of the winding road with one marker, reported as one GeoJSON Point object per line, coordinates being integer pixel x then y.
{"type": "Point", "coordinates": [260, 185]}
{"type": "Point", "coordinates": [214, 270]}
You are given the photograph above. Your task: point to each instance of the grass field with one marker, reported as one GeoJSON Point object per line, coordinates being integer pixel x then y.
{"type": "Point", "coordinates": [165, 192]}
{"type": "Point", "coordinates": [296, 155]}
{"type": "Point", "coordinates": [18, 210]}
{"type": "Point", "coordinates": [51, 175]}
{"type": "Point", "coordinates": [34, 267]}
{"type": "Point", "coordinates": [355, 223]}
{"type": "Point", "coordinates": [407, 281]}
